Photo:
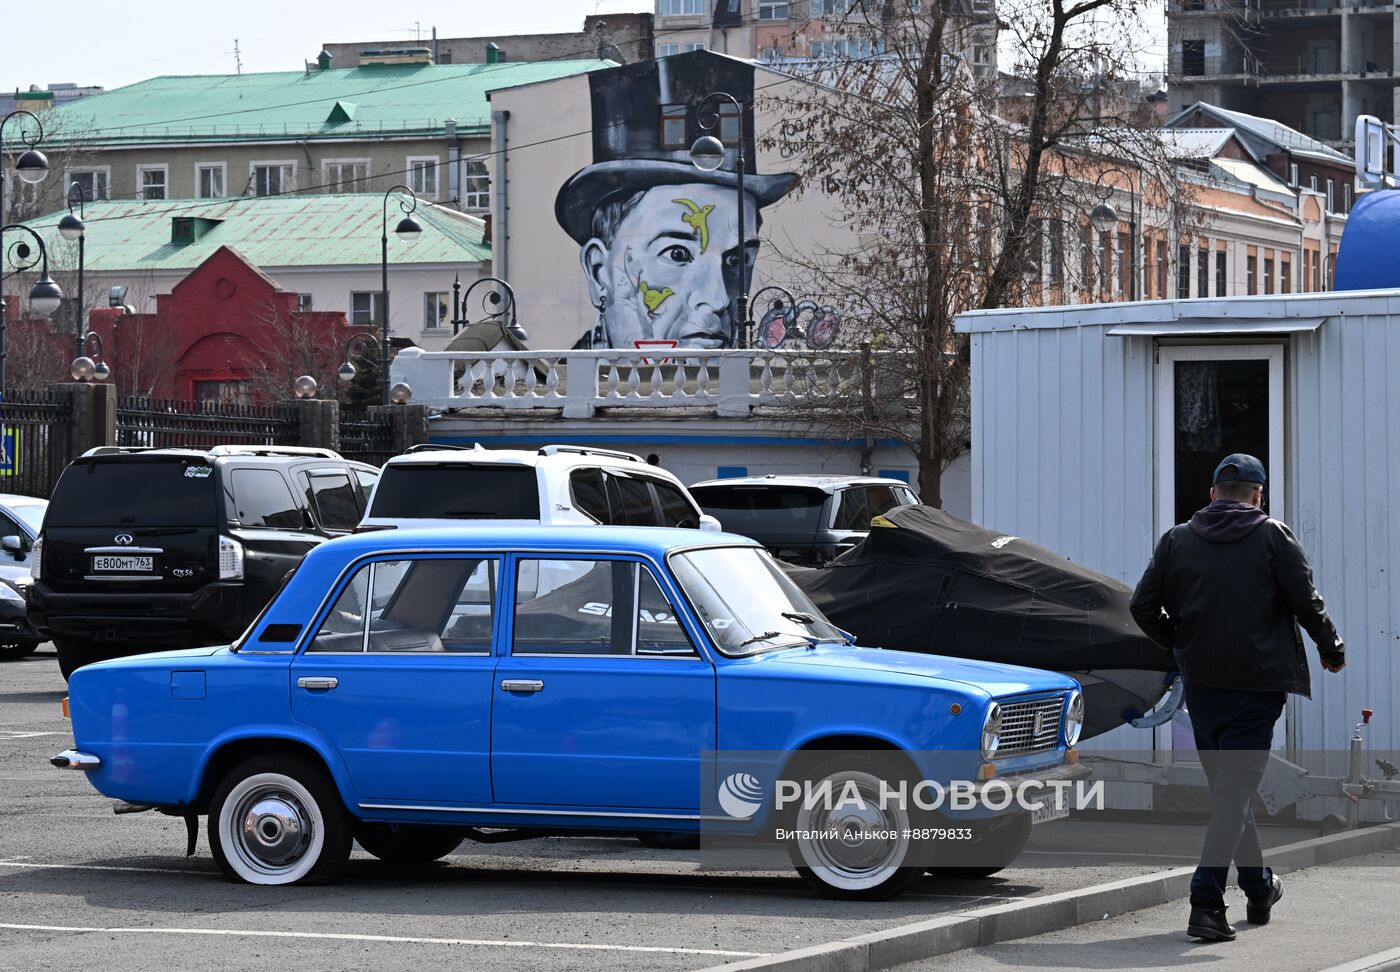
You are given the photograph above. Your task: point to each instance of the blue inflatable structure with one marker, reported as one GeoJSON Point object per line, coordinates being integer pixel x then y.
{"type": "Point", "coordinates": [1367, 257]}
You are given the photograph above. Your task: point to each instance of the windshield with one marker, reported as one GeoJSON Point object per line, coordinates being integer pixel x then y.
{"type": "Point", "coordinates": [746, 601]}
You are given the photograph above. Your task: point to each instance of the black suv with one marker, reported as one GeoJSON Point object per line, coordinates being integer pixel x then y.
{"type": "Point", "coordinates": [144, 549]}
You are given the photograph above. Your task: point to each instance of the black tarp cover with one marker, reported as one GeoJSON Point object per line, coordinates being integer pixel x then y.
{"type": "Point", "coordinates": [926, 581]}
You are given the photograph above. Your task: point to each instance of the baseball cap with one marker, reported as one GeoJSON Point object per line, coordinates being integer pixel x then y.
{"type": "Point", "coordinates": [1246, 469]}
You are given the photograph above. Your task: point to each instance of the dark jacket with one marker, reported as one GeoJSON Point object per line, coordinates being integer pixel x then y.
{"type": "Point", "coordinates": [1223, 590]}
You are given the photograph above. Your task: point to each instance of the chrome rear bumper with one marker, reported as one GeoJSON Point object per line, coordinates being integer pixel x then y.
{"type": "Point", "coordinates": [72, 759]}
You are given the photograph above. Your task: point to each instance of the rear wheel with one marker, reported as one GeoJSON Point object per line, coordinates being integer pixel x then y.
{"type": "Point", "coordinates": [73, 655]}
{"type": "Point", "coordinates": [408, 843]}
{"type": "Point", "coordinates": [16, 650]}
{"type": "Point", "coordinates": [869, 858]}
{"type": "Point", "coordinates": [279, 820]}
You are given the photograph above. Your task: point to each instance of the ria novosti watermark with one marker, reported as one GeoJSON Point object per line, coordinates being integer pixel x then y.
{"type": "Point", "coordinates": [740, 795]}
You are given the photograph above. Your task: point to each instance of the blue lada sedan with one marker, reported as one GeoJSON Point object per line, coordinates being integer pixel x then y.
{"type": "Point", "coordinates": [410, 689]}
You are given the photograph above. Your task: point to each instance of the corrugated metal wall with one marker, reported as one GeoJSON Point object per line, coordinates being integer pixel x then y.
{"type": "Point", "coordinates": [1063, 454]}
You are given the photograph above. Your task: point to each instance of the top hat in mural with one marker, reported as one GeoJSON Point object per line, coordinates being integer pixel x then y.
{"type": "Point", "coordinates": [644, 121]}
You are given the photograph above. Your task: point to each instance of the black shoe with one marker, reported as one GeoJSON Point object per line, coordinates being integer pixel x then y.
{"type": "Point", "coordinates": [1210, 924]}
{"type": "Point", "coordinates": [1259, 910]}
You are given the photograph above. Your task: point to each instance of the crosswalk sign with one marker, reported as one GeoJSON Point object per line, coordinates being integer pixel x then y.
{"type": "Point", "coordinates": [9, 452]}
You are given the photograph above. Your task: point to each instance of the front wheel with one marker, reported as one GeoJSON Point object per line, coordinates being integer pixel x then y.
{"type": "Point", "coordinates": [408, 843]}
{"type": "Point", "coordinates": [279, 820]}
{"type": "Point", "coordinates": [858, 848]}
{"type": "Point", "coordinates": [73, 655]}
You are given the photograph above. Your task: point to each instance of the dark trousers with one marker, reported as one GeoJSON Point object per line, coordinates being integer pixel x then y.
{"type": "Point", "coordinates": [1234, 730]}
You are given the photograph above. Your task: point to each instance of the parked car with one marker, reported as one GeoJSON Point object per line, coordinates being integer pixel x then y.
{"type": "Point", "coordinates": [802, 519]}
{"type": "Point", "coordinates": [434, 485]}
{"type": "Point", "coordinates": [17, 636]}
{"type": "Point", "coordinates": [144, 548]}
{"type": "Point", "coordinates": [21, 518]}
{"type": "Point", "coordinates": [412, 688]}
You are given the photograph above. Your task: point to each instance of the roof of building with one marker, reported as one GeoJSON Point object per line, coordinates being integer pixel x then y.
{"type": "Point", "coordinates": [1266, 129]}
{"type": "Point", "coordinates": [271, 231]}
{"type": "Point", "coordinates": [1196, 143]}
{"type": "Point", "coordinates": [335, 103]}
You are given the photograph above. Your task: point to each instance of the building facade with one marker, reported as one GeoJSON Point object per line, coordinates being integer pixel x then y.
{"type": "Point", "coordinates": [621, 37]}
{"type": "Point", "coordinates": [1312, 64]}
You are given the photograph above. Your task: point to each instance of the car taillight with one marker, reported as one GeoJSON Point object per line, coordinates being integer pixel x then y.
{"type": "Point", "coordinates": [36, 561]}
{"type": "Point", "coordinates": [230, 559]}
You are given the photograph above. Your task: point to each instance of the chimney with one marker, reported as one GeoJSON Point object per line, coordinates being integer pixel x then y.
{"type": "Point", "coordinates": [323, 61]}
{"type": "Point", "coordinates": [494, 55]}
{"type": "Point", "coordinates": [486, 229]}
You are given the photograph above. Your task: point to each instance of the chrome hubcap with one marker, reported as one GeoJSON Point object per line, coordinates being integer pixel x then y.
{"type": "Point", "coordinates": [274, 829]}
{"type": "Point", "coordinates": [855, 844]}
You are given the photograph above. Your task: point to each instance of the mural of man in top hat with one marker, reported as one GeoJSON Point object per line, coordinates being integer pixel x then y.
{"type": "Point", "coordinates": [659, 236]}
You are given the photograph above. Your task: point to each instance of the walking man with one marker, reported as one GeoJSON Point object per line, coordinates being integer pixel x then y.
{"type": "Point", "coordinates": [1223, 592]}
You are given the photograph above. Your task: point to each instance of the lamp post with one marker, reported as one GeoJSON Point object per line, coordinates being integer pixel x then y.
{"type": "Point", "coordinates": [1105, 218]}
{"type": "Point", "coordinates": [408, 230]}
{"type": "Point", "coordinates": [497, 302]}
{"type": "Point", "coordinates": [708, 154]}
{"type": "Point", "coordinates": [71, 227]}
{"type": "Point", "coordinates": [31, 167]}
{"type": "Point", "coordinates": [84, 368]}
{"type": "Point", "coordinates": [44, 296]}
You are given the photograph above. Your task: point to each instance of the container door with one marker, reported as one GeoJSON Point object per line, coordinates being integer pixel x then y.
{"type": "Point", "coordinates": [1212, 401]}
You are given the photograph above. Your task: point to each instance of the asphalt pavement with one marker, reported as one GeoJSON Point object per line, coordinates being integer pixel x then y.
{"type": "Point", "coordinates": [83, 888]}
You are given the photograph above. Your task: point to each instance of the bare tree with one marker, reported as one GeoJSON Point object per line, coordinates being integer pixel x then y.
{"type": "Point", "coordinates": [296, 344]}
{"type": "Point", "coordinates": [954, 205]}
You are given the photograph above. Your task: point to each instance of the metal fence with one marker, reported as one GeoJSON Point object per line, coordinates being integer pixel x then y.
{"type": "Point", "coordinates": [161, 423]}
{"type": "Point", "coordinates": [366, 436]}
{"type": "Point", "coordinates": [34, 446]}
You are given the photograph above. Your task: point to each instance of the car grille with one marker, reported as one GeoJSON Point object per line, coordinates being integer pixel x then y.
{"type": "Point", "coordinates": [1030, 727]}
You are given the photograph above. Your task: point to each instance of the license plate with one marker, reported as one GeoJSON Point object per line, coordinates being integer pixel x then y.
{"type": "Point", "coordinates": [125, 565]}
{"type": "Point", "coordinates": [1053, 806]}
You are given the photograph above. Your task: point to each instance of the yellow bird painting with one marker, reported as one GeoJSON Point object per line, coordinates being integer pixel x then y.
{"type": "Point", "coordinates": [652, 297]}
{"type": "Point", "coordinates": [697, 218]}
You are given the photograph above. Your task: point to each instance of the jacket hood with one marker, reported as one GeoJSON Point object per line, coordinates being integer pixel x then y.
{"type": "Point", "coordinates": [1225, 521]}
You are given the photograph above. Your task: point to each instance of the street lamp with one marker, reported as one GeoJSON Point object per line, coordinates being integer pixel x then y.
{"type": "Point", "coordinates": [71, 227]}
{"type": "Point", "coordinates": [31, 167]}
{"type": "Point", "coordinates": [408, 230]}
{"type": "Point", "coordinates": [497, 303]}
{"type": "Point", "coordinates": [1104, 218]}
{"type": "Point", "coordinates": [304, 387]}
{"type": "Point", "coordinates": [347, 370]}
{"type": "Point", "coordinates": [84, 368]}
{"type": "Point", "coordinates": [44, 297]}
{"type": "Point", "coordinates": [708, 154]}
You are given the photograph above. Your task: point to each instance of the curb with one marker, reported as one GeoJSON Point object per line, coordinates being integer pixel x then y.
{"type": "Point", "coordinates": [1052, 912]}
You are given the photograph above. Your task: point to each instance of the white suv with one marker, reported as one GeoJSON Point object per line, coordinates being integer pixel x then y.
{"type": "Point", "coordinates": [435, 485]}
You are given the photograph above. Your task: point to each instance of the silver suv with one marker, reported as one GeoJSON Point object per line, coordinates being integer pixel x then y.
{"type": "Point", "coordinates": [436, 485]}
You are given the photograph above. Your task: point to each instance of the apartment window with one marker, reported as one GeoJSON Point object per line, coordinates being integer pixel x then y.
{"type": "Point", "coordinates": [1193, 57]}
{"type": "Point", "coordinates": [1183, 271]}
{"type": "Point", "coordinates": [1331, 195]}
{"type": "Point", "coordinates": [437, 308]}
{"type": "Point", "coordinates": [1086, 253]}
{"type": "Point", "coordinates": [1293, 174]}
{"type": "Point", "coordinates": [476, 187]}
{"type": "Point", "coordinates": [1203, 272]}
{"type": "Point", "coordinates": [1106, 265]}
{"type": "Point", "coordinates": [1250, 286]}
{"type": "Point", "coordinates": [94, 182]}
{"type": "Point", "coordinates": [303, 303]}
{"type": "Point", "coordinates": [771, 54]}
{"type": "Point", "coordinates": [1285, 269]}
{"type": "Point", "coordinates": [1125, 265]}
{"type": "Point", "coordinates": [772, 9]}
{"type": "Point", "coordinates": [1346, 197]}
{"type": "Point", "coordinates": [346, 175]}
{"type": "Point", "coordinates": [673, 126]}
{"type": "Point", "coordinates": [151, 181]}
{"type": "Point", "coordinates": [981, 55]}
{"type": "Point", "coordinates": [272, 178]}
{"type": "Point", "coordinates": [728, 123]}
{"type": "Point", "coordinates": [1317, 270]}
{"type": "Point", "coordinates": [1268, 275]}
{"type": "Point", "coordinates": [365, 307]}
{"type": "Point", "coordinates": [681, 8]}
{"type": "Point", "coordinates": [1312, 183]}
{"type": "Point", "coordinates": [1161, 270]}
{"type": "Point", "coordinates": [1222, 273]}
{"type": "Point", "coordinates": [423, 176]}
{"type": "Point", "coordinates": [1057, 251]}
{"type": "Point", "coordinates": [828, 8]}
{"type": "Point", "coordinates": [666, 50]}
{"type": "Point", "coordinates": [209, 181]}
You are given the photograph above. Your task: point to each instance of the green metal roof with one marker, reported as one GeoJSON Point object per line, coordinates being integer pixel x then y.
{"type": "Point", "coordinates": [337, 103]}
{"type": "Point", "coordinates": [295, 230]}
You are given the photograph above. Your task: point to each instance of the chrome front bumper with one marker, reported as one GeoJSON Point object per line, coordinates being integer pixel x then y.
{"type": "Point", "coordinates": [72, 759]}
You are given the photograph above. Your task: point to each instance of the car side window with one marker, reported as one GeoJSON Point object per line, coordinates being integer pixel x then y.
{"type": "Point", "coordinates": [676, 510]}
{"type": "Point", "coordinates": [593, 607]}
{"type": "Point", "coordinates": [880, 500]}
{"type": "Point", "coordinates": [9, 528]}
{"type": "Point", "coordinates": [853, 513]}
{"type": "Point", "coordinates": [906, 496]}
{"type": "Point", "coordinates": [630, 500]}
{"type": "Point", "coordinates": [262, 498]}
{"type": "Point", "coordinates": [428, 605]}
{"type": "Point", "coordinates": [364, 480]}
{"type": "Point", "coordinates": [588, 493]}
{"type": "Point", "coordinates": [333, 499]}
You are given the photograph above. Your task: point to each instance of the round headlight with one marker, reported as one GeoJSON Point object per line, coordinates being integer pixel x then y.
{"type": "Point", "coordinates": [991, 732]}
{"type": "Point", "coordinates": [1074, 718]}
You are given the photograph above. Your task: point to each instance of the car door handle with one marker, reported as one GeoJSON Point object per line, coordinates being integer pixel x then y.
{"type": "Point", "coordinates": [317, 682]}
{"type": "Point", "coordinates": [529, 685]}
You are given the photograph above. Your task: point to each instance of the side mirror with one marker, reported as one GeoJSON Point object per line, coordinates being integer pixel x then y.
{"type": "Point", "coordinates": [13, 544]}
{"type": "Point", "coordinates": [709, 524]}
